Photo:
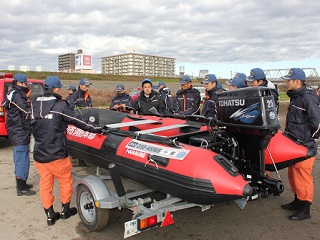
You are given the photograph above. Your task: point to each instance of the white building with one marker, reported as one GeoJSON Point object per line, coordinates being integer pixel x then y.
{"type": "Point", "coordinates": [138, 65]}
{"type": "Point", "coordinates": [181, 70]}
{"type": "Point", "coordinates": [24, 68]}
{"type": "Point", "coordinates": [11, 67]}
{"type": "Point", "coordinates": [203, 73]}
{"type": "Point", "coordinates": [38, 68]}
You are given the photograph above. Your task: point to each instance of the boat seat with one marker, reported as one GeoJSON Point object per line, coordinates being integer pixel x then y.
{"type": "Point", "coordinates": [128, 124]}
{"type": "Point", "coordinates": [160, 129]}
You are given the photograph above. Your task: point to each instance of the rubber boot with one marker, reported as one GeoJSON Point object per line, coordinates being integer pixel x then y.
{"type": "Point", "coordinates": [22, 189]}
{"type": "Point", "coordinates": [303, 213]}
{"type": "Point", "coordinates": [52, 216]}
{"type": "Point", "coordinates": [295, 205]}
{"type": "Point", "coordinates": [67, 212]}
{"type": "Point", "coordinates": [29, 185]}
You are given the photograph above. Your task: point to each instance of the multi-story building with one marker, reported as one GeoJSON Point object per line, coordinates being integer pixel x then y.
{"type": "Point", "coordinates": [138, 65]}
{"type": "Point", "coordinates": [203, 73]}
{"type": "Point", "coordinates": [66, 62]}
{"type": "Point", "coordinates": [75, 62]}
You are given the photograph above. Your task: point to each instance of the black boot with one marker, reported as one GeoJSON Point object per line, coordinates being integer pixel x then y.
{"type": "Point", "coordinates": [22, 189]}
{"type": "Point", "coordinates": [29, 185]}
{"type": "Point", "coordinates": [295, 205]}
{"type": "Point", "coordinates": [52, 216]}
{"type": "Point", "coordinates": [303, 213]}
{"type": "Point", "coordinates": [67, 212]}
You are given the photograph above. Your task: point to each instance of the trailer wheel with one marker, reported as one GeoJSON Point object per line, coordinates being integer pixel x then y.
{"type": "Point", "coordinates": [93, 218]}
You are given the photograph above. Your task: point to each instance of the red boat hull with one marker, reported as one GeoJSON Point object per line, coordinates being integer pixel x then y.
{"type": "Point", "coordinates": [283, 152]}
{"type": "Point", "coordinates": [195, 175]}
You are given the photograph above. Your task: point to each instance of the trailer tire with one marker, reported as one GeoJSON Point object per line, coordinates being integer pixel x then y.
{"type": "Point", "coordinates": [92, 217]}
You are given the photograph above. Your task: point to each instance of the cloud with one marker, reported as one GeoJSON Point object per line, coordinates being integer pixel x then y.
{"type": "Point", "coordinates": [35, 32]}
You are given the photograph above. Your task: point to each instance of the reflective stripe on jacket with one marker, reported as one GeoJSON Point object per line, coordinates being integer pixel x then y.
{"type": "Point", "coordinates": [50, 117]}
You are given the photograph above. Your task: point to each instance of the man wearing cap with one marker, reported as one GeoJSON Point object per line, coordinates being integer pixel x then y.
{"type": "Point", "coordinates": [219, 87]}
{"type": "Point", "coordinates": [236, 83]}
{"type": "Point", "coordinates": [210, 103]}
{"type": "Point", "coordinates": [50, 118]}
{"type": "Point", "coordinates": [243, 77]}
{"type": "Point", "coordinates": [122, 101]}
{"type": "Point", "coordinates": [258, 78]}
{"type": "Point", "coordinates": [149, 102]}
{"type": "Point", "coordinates": [81, 98]}
{"type": "Point", "coordinates": [187, 98]}
{"type": "Point", "coordinates": [303, 124]}
{"type": "Point", "coordinates": [18, 124]}
{"type": "Point", "coordinates": [166, 99]}
{"type": "Point", "coordinates": [71, 90]}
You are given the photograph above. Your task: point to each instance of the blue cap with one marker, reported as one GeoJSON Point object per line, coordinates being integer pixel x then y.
{"type": "Point", "coordinates": [219, 85]}
{"type": "Point", "coordinates": [295, 74]}
{"type": "Point", "coordinates": [84, 81]}
{"type": "Point", "coordinates": [242, 76]}
{"type": "Point", "coordinates": [256, 74]}
{"type": "Point", "coordinates": [237, 82]}
{"type": "Point", "coordinates": [161, 83]}
{"type": "Point", "coordinates": [146, 80]}
{"type": "Point", "coordinates": [20, 77]}
{"type": "Point", "coordinates": [210, 78]}
{"type": "Point", "coordinates": [73, 88]}
{"type": "Point", "coordinates": [52, 82]}
{"type": "Point", "coordinates": [184, 79]}
{"type": "Point", "coordinates": [120, 87]}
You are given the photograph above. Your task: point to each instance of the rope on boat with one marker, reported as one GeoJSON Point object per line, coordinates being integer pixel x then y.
{"type": "Point", "coordinates": [275, 167]}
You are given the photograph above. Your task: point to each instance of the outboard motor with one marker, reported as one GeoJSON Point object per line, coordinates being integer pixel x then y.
{"type": "Point", "coordinates": [250, 115]}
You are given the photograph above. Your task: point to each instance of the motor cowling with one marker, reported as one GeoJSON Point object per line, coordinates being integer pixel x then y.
{"type": "Point", "coordinates": [250, 110]}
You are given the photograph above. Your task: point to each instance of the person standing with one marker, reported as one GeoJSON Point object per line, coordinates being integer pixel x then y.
{"type": "Point", "coordinates": [236, 83]}
{"type": "Point", "coordinates": [166, 99]}
{"type": "Point", "coordinates": [219, 87]}
{"type": "Point", "coordinates": [50, 118]}
{"type": "Point", "coordinates": [243, 77]}
{"type": "Point", "coordinates": [149, 102]}
{"type": "Point", "coordinates": [258, 78]}
{"type": "Point", "coordinates": [122, 101]}
{"type": "Point", "coordinates": [18, 124]}
{"type": "Point", "coordinates": [210, 103]}
{"type": "Point", "coordinates": [303, 123]}
{"type": "Point", "coordinates": [187, 98]}
{"type": "Point", "coordinates": [71, 90]}
{"type": "Point", "coordinates": [81, 98]}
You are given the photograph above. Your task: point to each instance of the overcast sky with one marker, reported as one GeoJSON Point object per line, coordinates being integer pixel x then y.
{"type": "Point", "coordinates": [222, 36]}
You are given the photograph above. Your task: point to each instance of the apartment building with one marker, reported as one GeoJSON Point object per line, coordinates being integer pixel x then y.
{"type": "Point", "coordinates": [138, 65]}
{"type": "Point", "coordinates": [66, 62]}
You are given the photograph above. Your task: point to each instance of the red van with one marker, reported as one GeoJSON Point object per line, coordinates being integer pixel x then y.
{"type": "Point", "coordinates": [37, 89]}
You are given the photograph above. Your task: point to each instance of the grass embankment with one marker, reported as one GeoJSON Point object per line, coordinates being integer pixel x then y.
{"type": "Point", "coordinates": [102, 97]}
{"type": "Point", "coordinates": [98, 77]}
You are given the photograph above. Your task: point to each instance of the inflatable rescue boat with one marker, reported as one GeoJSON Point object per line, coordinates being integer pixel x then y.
{"type": "Point", "coordinates": [200, 160]}
{"type": "Point", "coordinates": [143, 151]}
